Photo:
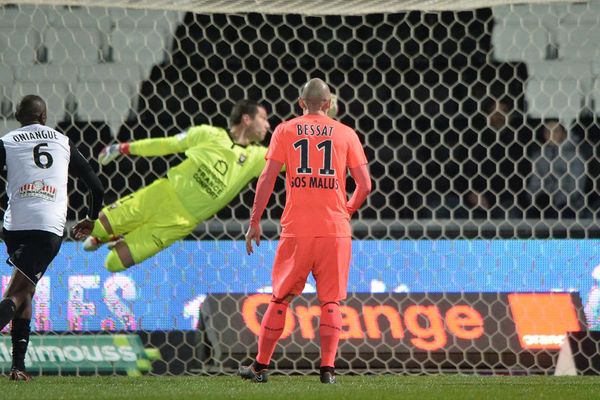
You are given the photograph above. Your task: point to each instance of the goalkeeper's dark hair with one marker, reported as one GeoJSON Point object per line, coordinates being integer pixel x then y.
{"type": "Point", "coordinates": [240, 108]}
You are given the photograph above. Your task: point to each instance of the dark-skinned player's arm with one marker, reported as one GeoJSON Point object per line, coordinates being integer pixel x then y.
{"type": "Point", "coordinates": [81, 169]}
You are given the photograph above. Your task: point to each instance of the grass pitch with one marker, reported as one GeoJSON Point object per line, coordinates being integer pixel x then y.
{"type": "Point", "coordinates": [440, 387]}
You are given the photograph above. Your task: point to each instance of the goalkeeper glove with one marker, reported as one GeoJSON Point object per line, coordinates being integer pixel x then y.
{"type": "Point", "coordinates": [111, 152]}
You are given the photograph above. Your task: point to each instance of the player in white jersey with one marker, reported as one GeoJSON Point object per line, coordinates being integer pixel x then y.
{"type": "Point", "coordinates": [38, 161]}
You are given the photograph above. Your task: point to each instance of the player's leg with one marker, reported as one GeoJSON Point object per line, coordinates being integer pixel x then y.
{"type": "Point", "coordinates": [124, 215]}
{"type": "Point", "coordinates": [147, 240]}
{"type": "Point", "coordinates": [271, 328]}
{"type": "Point", "coordinates": [292, 264]}
{"type": "Point", "coordinates": [19, 289]}
{"type": "Point", "coordinates": [12, 298]}
{"type": "Point", "coordinates": [101, 233]}
{"type": "Point", "coordinates": [119, 258]}
{"type": "Point", "coordinates": [19, 293]}
{"type": "Point", "coordinates": [290, 270]}
{"type": "Point", "coordinates": [331, 275]}
{"type": "Point", "coordinates": [30, 253]}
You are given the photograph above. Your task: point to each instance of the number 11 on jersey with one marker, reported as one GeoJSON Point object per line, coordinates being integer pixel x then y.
{"type": "Point", "coordinates": [325, 147]}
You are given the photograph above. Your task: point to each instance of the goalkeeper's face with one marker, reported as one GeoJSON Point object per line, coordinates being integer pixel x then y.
{"type": "Point", "coordinates": [259, 125]}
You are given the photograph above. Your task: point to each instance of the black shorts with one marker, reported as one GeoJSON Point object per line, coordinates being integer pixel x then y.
{"type": "Point", "coordinates": [31, 251]}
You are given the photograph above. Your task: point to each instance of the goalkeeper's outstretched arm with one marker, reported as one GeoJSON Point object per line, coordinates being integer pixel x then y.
{"type": "Point", "coordinates": [144, 147]}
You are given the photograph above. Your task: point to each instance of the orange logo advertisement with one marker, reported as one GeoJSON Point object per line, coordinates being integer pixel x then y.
{"type": "Point", "coordinates": [543, 319]}
{"type": "Point", "coordinates": [424, 326]}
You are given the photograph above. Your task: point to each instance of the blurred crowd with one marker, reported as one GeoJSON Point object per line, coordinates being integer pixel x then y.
{"type": "Point", "coordinates": [505, 166]}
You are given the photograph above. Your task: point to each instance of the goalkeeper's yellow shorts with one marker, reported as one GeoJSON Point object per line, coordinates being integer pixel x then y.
{"type": "Point", "coordinates": [151, 219]}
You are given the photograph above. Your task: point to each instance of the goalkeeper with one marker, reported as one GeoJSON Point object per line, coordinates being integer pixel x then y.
{"type": "Point", "coordinates": [218, 165]}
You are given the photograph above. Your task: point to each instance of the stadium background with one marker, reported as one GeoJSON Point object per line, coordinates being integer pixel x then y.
{"type": "Point", "coordinates": [422, 90]}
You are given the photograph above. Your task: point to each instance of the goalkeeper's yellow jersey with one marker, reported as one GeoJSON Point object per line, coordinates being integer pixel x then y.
{"type": "Point", "coordinates": [215, 171]}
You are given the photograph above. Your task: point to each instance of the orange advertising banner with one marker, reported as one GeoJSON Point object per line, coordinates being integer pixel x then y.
{"type": "Point", "coordinates": [396, 327]}
{"type": "Point", "coordinates": [542, 319]}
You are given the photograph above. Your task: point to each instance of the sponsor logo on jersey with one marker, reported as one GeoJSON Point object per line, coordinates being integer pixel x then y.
{"type": "Point", "coordinates": [38, 189]}
{"type": "Point", "coordinates": [210, 182]}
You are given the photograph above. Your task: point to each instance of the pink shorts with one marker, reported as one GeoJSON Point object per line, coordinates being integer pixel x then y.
{"type": "Point", "coordinates": [328, 258]}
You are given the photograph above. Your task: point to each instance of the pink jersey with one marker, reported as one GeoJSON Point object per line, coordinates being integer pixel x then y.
{"type": "Point", "coordinates": [316, 151]}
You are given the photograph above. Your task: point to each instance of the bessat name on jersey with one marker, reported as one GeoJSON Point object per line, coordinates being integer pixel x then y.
{"type": "Point", "coordinates": [314, 130]}
{"type": "Point", "coordinates": [20, 137]}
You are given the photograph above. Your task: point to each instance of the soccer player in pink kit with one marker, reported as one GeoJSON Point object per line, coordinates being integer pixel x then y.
{"type": "Point", "coordinates": [316, 151]}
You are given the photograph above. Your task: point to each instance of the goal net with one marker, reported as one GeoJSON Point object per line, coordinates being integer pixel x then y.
{"type": "Point", "coordinates": [475, 251]}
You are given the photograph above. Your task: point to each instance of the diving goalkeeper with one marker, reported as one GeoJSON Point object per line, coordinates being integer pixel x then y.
{"type": "Point", "coordinates": [218, 165]}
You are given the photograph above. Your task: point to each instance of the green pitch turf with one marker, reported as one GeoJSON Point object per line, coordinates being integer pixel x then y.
{"type": "Point", "coordinates": [304, 387]}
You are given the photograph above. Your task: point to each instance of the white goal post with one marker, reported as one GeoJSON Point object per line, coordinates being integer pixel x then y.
{"type": "Point", "coordinates": [308, 7]}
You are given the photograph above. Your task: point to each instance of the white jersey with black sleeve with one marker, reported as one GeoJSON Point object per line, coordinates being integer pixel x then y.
{"type": "Point", "coordinates": [37, 163]}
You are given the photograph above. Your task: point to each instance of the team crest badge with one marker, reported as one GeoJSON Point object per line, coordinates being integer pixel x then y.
{"type": "Point", "coordinates": [242, 159]}
{"type": "Point", "coordinates": [221, 167]}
